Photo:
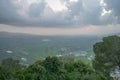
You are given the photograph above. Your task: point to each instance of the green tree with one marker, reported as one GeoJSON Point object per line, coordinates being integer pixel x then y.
{"type": "Point", "coordinates": [10, 68]}
{"type": "Point", "coordinates": [52, 64]}
{"type": "Point", "coordinates": [49, 69]}
{"type": "Point", "coordinates": [35, 71]}
{"type": "Point", "coordinates": [107, 55]}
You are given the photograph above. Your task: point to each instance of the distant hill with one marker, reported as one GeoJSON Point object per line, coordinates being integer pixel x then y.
{"type": "Point", "coordinates": [8, 34]}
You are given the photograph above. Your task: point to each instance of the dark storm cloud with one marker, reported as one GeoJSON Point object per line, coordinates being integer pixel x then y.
{"type": "Point", "coordinates": [8, 12]}
{"type": "Point", "coordinates": [36, 16]}
{"type": "Point", "coordinates": [35, 10]}
{"type": "Point", "coordinates": [114, 5]}
{"type": "Point", "coordinates": [87, 12]}
{"type": "Point", "coordinates": [80, 13]}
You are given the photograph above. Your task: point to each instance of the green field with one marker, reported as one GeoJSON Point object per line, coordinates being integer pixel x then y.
{"type": "Point", "coordinates": [33, 48]}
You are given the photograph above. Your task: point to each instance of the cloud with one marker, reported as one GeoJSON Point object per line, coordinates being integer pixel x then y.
{"type": "Point", "coordinates": [86, 12]}
{"type": "Point", "coordinates": [114, 5]}
{"type": "Point", "coordinates": [68, 13]}
{"type": "Point", "coordinates": [36, 9]}
{"type": "Point", "coordinates": [8, 12]}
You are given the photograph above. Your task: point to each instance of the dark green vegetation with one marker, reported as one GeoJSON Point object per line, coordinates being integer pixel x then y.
{"type": "Point", "coordinates": [51, 68]}
{"type": "Point", "coordinates": [29, 48]}
{"type": "Point", "coordinates": [107, 57]}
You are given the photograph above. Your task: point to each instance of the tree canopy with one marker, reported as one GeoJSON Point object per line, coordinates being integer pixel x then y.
{"type": "Point", "coordinates": [52, 68]}
{"type": "Point", "coordinates": [107, 55]}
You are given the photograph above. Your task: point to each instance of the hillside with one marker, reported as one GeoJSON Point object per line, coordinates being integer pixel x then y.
{"type": "Point", "coordinates": [29, 48]}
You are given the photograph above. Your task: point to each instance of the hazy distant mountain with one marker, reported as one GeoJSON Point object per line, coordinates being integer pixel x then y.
{"type": "Point", "coordinates": [8, 34]}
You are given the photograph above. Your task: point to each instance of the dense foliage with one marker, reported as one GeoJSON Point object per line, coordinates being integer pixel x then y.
{"type": "Point", "coordinates": [107, 56]}
{"type": "Point", "coordinates": [49, 69]}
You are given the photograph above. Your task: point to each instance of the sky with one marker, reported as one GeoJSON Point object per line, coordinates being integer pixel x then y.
{"type": "Point", "coordinates": [60, 17]}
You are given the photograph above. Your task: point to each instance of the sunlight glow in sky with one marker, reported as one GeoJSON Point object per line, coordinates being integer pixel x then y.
{"type": "Point", "coordinates": [56, 5]}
